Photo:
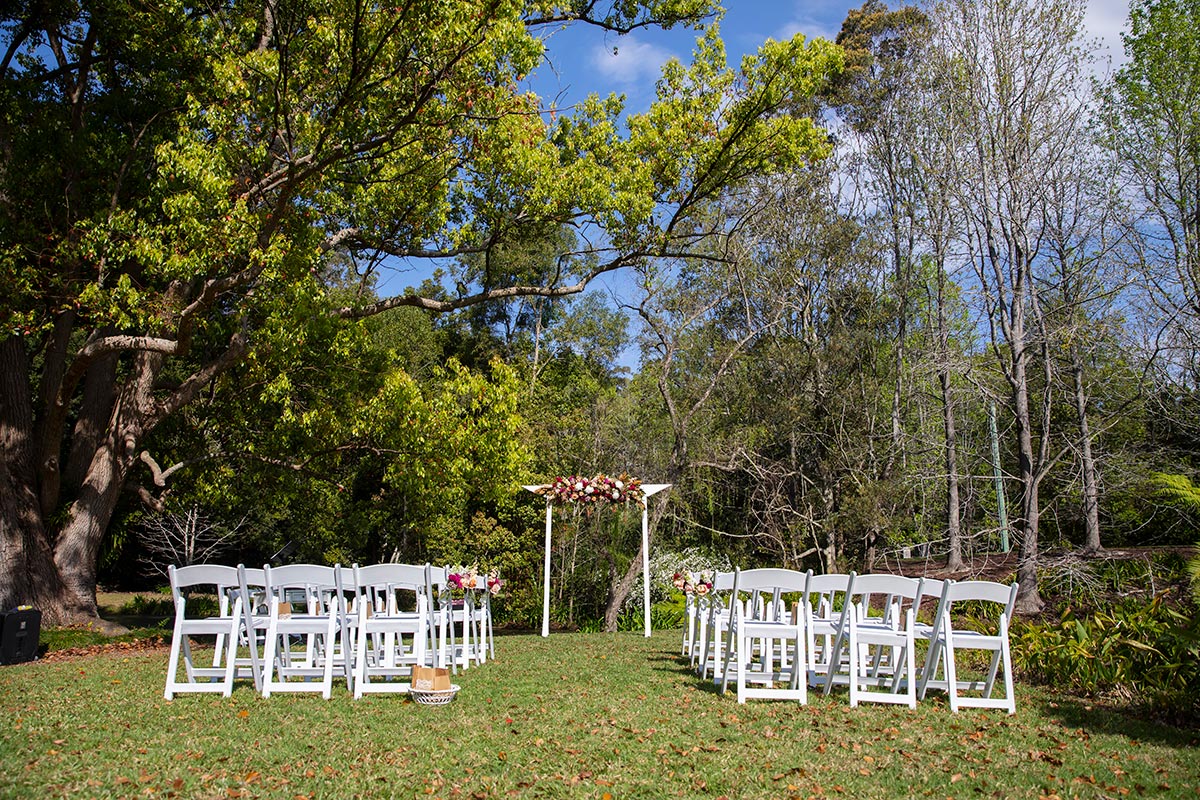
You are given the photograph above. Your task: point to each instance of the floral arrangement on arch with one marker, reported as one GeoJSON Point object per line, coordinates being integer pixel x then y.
{"type": "Point", "coordinates": [469, 578]}
{"type": "Point", "coordinates": [595, 490]}
{"type": "Point", "coordinates": [697, 583]}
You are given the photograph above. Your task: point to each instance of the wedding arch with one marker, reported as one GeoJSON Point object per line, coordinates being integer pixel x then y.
{"type": "Point", "coordinates": [600, 490]}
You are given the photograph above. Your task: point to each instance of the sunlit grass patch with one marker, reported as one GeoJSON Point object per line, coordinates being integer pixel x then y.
{"type": "Point", "coordinates": [574, 715]}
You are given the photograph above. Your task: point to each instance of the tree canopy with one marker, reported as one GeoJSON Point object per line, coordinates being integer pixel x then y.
{"type": "Point", "coordinates": [177, 178]}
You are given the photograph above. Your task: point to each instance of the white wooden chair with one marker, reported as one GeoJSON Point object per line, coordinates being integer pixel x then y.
{"type": "Point", "coordinates": [882, 647]}
{"type": "Point", "coordinates": [759, 635]}
{"type": "Point", "coordinates": [713, 614]}
{"type": "Point", "coordinates": [252, 589]}
{"type": "Point", "coordinates": [690, 630]}
{"type": "Point", "coordinates": [930, 603]}
{"type": "Point", "coordinates": [305, 600]}
{"type": "Point", "coordinates": [827, 602]}
{"type": "Point", "coordinates": [395, 626]}
{"type": "Point", "coordinates": [947, 643]}
{"type": "Point", "coordinates": [224, 627]}
{"type": "Point", "coordinates": [467, 620]}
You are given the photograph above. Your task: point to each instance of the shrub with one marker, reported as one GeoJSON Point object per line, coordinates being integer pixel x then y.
{"type": "Point", "coordinates": [1141, 649]}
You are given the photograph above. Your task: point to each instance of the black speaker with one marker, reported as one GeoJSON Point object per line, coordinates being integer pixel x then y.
{"type": "Point", "coordinates": [19, 631]}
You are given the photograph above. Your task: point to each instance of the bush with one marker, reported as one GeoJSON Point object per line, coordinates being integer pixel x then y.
{"type": "Point", "coordinates": [1140, 649]}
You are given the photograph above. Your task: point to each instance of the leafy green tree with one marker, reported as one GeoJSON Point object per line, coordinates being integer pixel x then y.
{"type": "Point", "coordinates": [175, 178]}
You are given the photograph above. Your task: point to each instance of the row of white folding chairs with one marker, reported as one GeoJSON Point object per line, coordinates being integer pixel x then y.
{"type": "Point", "coordinates": [832, 635]}
{"type": "Point", "coordinates": [310, 620]}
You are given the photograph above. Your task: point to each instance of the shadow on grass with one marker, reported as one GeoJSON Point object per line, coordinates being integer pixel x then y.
{"type": "Point", "coordinates": [1128, 721]}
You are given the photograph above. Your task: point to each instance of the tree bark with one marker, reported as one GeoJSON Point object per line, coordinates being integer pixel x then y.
{"type": "Point", "coordinates": [954, 559]}
{"type": "Point", "coordinates": [1091, 489]}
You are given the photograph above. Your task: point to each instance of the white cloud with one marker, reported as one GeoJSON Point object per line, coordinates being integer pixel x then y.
{"type": "Point", "coordinates": [1104, 20]}
{"type": "Point", "coordinates": [630, 62]}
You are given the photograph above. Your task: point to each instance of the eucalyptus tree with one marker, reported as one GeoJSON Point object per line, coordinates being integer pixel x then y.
{"type": "Point", "coordinates": [1081, 292]}
{"type": "Point", "coordinates": [175, 175]}
{"type": "Point", "coordinates": [869, 94]}
{"type": "Point", "coordinates": [1010, 74]}
{"type": "Point", "coordinates": [885, 99]}
{"type": "Point", "coordinates": [1153, 128]}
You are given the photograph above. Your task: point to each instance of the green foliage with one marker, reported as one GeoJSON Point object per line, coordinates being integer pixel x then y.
{"type": "Point", "coordinates": [142, 606]}
{"type": "Point", "coordinates": [1140, 648]}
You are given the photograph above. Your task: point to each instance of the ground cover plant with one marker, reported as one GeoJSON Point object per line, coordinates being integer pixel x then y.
{"type": "Point", "coordinates": [574, 715]}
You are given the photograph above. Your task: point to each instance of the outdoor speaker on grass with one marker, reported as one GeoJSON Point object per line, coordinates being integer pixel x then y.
{"type": "Point", "coordinates": [19, 631]}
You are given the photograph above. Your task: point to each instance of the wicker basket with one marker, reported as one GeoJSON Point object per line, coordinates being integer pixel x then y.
{"type": "Point", "coordinates": [434, 697]}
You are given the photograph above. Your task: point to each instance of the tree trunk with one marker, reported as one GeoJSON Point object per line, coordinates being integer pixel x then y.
{"type": "Point", "coordinates": [1029, 601]}
{"type": "Point", "coordinates": [621, 589]}
{"type": "Point", "coordinates": [954, 559]}
{"type": "Point", "coordinates": [55, 570]}
{"type": "Point", "coordinates": [27, 574]}
{"type": "Point", "coordinates": [1091, 490]}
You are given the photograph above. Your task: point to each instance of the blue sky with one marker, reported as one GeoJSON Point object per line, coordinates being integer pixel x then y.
{"type": "Point", "coordinates": [583, 60]}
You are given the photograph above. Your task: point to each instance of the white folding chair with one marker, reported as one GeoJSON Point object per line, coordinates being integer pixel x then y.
{"type": "Point", "coordinates": [252, 589]}
{"type": "Point", "coordinates": [395, 626]}
{"type": "Point", "coordinates": [224, 627]}
{"type": "Point", "coordinates": [688, 647]}
{"type": "Point", "coordinates": [304, 601]}
{"type": "Point", "coordinates": [947, 643]}
{"type": "Point", "coordinates": [466, 618]}
{"type": "Point", "coordinates": [486, 629]}
{"type": "Point", "coordinates": [882, 647]}
{"type": "Point", "coordinates": [713, 613]}
{"type": "Point", "coordinates": [763, 627]}
{"type": "Point", "coordinates": [931, 602]}
{"type": "Point", "coordinates": [827, 602]}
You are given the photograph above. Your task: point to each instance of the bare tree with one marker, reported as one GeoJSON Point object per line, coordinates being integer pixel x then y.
{"type": "Point", "coordinates": [186, 537]}
{"type": "Point", "coordinates": [1009, 74]}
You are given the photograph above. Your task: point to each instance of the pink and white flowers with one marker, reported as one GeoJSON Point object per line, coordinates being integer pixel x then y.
{"type": "Point", "coordinates": [698, 583]}
{"type": "Point", "coordinates": [469, 578]}
{"type": "Point", "coordinates": [599, 488]}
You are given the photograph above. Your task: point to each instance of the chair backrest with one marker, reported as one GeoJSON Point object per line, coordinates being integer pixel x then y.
{"type": "Point", "coordinates": [771, 579]}
{"type": "Point", "coordinates": [823, 590]}
{"type": "Point", "coordinates": [318, 584]}
{"type": "Point", "coordinates": [896, 591]}
{"type": "Point", "coordinates": [722, 581]}
{"type": "Point", "coordinates": [766, 587]}
{"type": "Point", "coordinates": [251, 579]}
{"type": "Point", "coordinates": [983, 591]}
{"type": "Point", "coordinates": [221, 579]}
{"type": "Point", "coordinates": [384, 581]}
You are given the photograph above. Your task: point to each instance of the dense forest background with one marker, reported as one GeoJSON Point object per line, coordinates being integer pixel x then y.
{"type": "Point", "coordinates": [972, 325]}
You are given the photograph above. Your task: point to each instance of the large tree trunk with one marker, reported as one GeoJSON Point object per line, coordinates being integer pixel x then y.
{"type": "Point", "coordinates": [55, 569]}
{"type": "Point", "coordinates": [27, 574]}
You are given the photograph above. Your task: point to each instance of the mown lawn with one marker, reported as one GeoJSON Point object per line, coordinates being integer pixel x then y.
{"type": "Point", "coordinates": [575, 715]}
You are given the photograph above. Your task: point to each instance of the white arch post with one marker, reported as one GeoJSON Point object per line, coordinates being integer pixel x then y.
{"type": "Point", "coordinates": [648, 489]}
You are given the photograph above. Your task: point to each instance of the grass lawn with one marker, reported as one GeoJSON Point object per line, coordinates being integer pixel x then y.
{"type": "Point", "coordinates": [575, 715]}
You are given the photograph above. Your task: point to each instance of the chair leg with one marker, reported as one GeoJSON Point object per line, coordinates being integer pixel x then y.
{"type": "Point", "coordinates": [269, 659]}
{"type": "Point", "coordinates": [951, 671]}
{"type": "Point", "coordinates": [330, 648]}
{"type": "Point", "coordinates": [857, 665]}
{"type": "Point", "coordinates": [173, 666]}
{"type": "Point", "coordinates": [1008, 678]}
{"type": "Point", "coordinates": [360, 662]}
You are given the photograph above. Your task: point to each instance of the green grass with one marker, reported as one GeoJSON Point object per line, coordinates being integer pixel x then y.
{"type": "Point", "coordinates": [575, 715]}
